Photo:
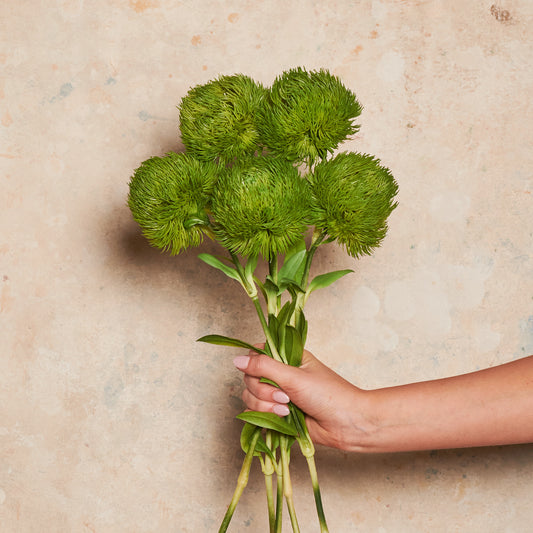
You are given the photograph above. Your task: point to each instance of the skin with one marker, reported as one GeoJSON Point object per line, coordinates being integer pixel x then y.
{"type": "Point", "coordinates": [484, 408]}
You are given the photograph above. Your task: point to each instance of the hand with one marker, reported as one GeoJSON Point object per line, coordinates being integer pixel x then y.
{"type": "Point", "coordinates": [329, 401]}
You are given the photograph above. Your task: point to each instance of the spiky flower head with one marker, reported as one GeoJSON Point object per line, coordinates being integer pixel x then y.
{"type": "Point", "coordinates": [308, 114]}
{"type": "Point", "coordinates": [217, 119]}
{"type": "Point", "coordinates": [352, 198]}
{"type": "Point", "coordinates": [261, 206]}
{"type": "Point", "coordinates": [168, 198]}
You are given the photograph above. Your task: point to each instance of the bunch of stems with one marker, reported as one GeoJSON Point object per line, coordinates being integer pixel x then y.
{"type": "Point", "coordinates": [265, 435]}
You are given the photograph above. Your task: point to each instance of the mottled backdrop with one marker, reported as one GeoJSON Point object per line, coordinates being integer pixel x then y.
{"type": "Point", "coordinates": [112, 418]}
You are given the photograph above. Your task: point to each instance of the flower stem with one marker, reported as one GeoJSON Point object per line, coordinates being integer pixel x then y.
{"type": "Point", "coordinates": [279, 498]}
{"type": "Point", "coordinates": [287, 485]}
{"type": "Point", "coordinates": [269, 471]}
{"type": "Point", "coordinates": [316, 492]}
{"type": "Point", "coordinates": [242, 481]}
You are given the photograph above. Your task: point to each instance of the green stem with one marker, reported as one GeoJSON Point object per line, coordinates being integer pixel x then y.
{"type": "Point", "coordinates": [317, 240]}
{"type": "Point", "coordinates": [269, 470]}
{"type": "Point", "coordinates": [273, 348]}
{"type": "Point", "coordinates": [242, 481]}
{"type": "Point", "coordinates": [252, 293]}
{"type": "Point", "coordinates": [287, 485]}
{"type": "Point", "coordinates": [279, 499]}
{"type": "Point", "coordinates": [274, 303]}
{"type": "Point", "coordinates": [316, 491]}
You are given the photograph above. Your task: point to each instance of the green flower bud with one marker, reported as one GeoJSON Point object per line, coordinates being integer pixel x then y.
{"type": "Point", "coordinates": [168, 198]}
{"type": "Point", "coordinates": [352, 198]}
{"type": "Point", "coordinates": [217, 120]}
{"type": "Point", "coordinates": [308, 115]}
{"type": "Point", "coordinates": [260, 206]}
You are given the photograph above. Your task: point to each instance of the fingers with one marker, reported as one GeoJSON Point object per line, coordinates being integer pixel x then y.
{"type": "Point", "coordinates": [257, 404]}
{"type": "Point", "coordinates": [264, 366]}
{"type": "Point", "coordinates": [264, 391]}
{"type": "Point", "coordinates": [260, 396]}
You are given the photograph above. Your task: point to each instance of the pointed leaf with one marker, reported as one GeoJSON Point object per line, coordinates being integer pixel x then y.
{"type": "Point", "coordinates": [213, 261]}
{"type": "Point", "coordinates": [247, 433]}
{"type": "Point", "coordinates": [273, 327]}
{"type": "Point", "coordinates": [269, 421]}
{"type": "Point", "coordinates": [292, 265]}
{"type": "Point", "coordinates": [293, 346]}
{"type": "Point", "coordinates": [323, 280]}
{"type": "Point", "coordinates": [221, 340]}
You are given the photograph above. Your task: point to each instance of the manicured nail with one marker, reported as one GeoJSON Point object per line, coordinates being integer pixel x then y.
{"type": "Point", "coordinates": [241, 362]}
{"type": "Point", "coordinates": [280, 397]}
{"type": "Point", "coordinates": [280, 410]}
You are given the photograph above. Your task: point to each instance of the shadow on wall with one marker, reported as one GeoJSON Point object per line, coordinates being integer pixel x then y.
{"type": "Point", "coordinates": [183, 278]}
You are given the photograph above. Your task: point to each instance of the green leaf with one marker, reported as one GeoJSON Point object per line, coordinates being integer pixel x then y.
{"type": "Point", "coordinates": [247, 433]}
{"type": "Point", "coordinates": [323, 280]}
{"type": "Point", "coordinates": [270, 286]}
{"type": "Point", "coordinates": [221, 340]}
{"type": "Point", "coordinates": [269, 381]}
{"type": "Point", "coordinates": [213, 261]}
{"type": "Point", "coordinates": [286, 312]}
{"type": "Point", "coordinates": [268, 421]}
{"type": "Point", "coordinates": [290, 285]}
{"type": "Point", "coordinates": [293, 346]}
{"type": "Point", "coordinates": [273, 327]}
{"type": "Point", "coordinates": [301, 326]}
{"type": "Point", "coordinates": [292, 265]}
{"type": "Point", "coordinates": [294, 289]}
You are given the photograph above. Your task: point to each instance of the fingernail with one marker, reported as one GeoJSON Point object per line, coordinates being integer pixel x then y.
{"type": "Point", "coordinates": [280, 410]}
{"type": "Point", "coordinates": [280, 397]}
{"type": "Point", "coordinates": [241, 361]}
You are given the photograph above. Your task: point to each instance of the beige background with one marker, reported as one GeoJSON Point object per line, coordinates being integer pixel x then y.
{"type": "Point", "coordinates": [112, 418]}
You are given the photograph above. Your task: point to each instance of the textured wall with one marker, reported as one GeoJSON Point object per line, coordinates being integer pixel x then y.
{"type": "Point", "coordinates": [112, 418]}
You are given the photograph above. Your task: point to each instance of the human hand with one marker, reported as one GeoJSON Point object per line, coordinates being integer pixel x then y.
{"type": "Point", "coordinates": [334, 407]}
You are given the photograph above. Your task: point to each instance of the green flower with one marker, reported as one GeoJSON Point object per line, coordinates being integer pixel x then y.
{"type": "Point", "coordinates": [168, 198]}
{"type": "Point", "coordinates": [353, 196]}
{"type": "Point", "coordinates": [308, 115]}
{"type": "Point", "coordinates": [260, 206]}
{"type": "Point", "coordinates": [217, 120]}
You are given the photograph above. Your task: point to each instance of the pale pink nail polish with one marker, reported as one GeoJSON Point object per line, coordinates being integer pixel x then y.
{"type": "Point", "coordinates": [241, 362]}
{"type": "Point", "coordinates": [280, 397]}
{"type": "Point", "coordinates": [280, 410]}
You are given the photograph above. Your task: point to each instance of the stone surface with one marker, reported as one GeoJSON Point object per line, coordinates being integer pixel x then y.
{"type": "Point", "coordinates": [112, 418]}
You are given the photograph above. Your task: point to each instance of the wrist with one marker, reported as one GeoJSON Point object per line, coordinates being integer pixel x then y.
{"type": "Point", "coordinates": [361, 432]}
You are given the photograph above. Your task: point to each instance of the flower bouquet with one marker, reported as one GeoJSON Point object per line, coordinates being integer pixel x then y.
{"type": "Point", "coordinates": [260, 177]}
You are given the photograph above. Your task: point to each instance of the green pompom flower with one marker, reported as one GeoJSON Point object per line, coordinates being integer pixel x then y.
{"type": "Point", "coordinates": [352, 198]}
{"type": "Point", "coordinates": [217, 119]}
{"type": "Point", "coordinates": [308, 115]}
{"type": "Point", "coordinates": [168, 198]}
{"type": "Point", "coordinates": [261, 206]}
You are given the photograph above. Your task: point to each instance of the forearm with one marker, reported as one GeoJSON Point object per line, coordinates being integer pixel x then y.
{"type": "Point", "coordinates": [489, 407]}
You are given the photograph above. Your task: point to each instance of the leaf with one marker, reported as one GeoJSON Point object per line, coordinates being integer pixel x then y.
{"type": "Point", "coordinates": [247, 433]}
{"type": "Point", "coordinates": [323, 280]}
{"type": "Point", "coordinates": [213, 261]}
{"type": "Point", "coordinates": [268, 421]}
{"type": "Point", "coordinates": [273, 327]}
{"type": "Point", "coordinates": [221, 340]}
{"type": "Point", "coordinates": [292, 265]}
{"type": "Point", "coordinates": [269, 381]}
{"type": "Point", "coordinates": [301, 326]}
{"type": "Point", "coordinates": [286, 312]}
{"type": "Point", "coordinates": [293, 346]}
